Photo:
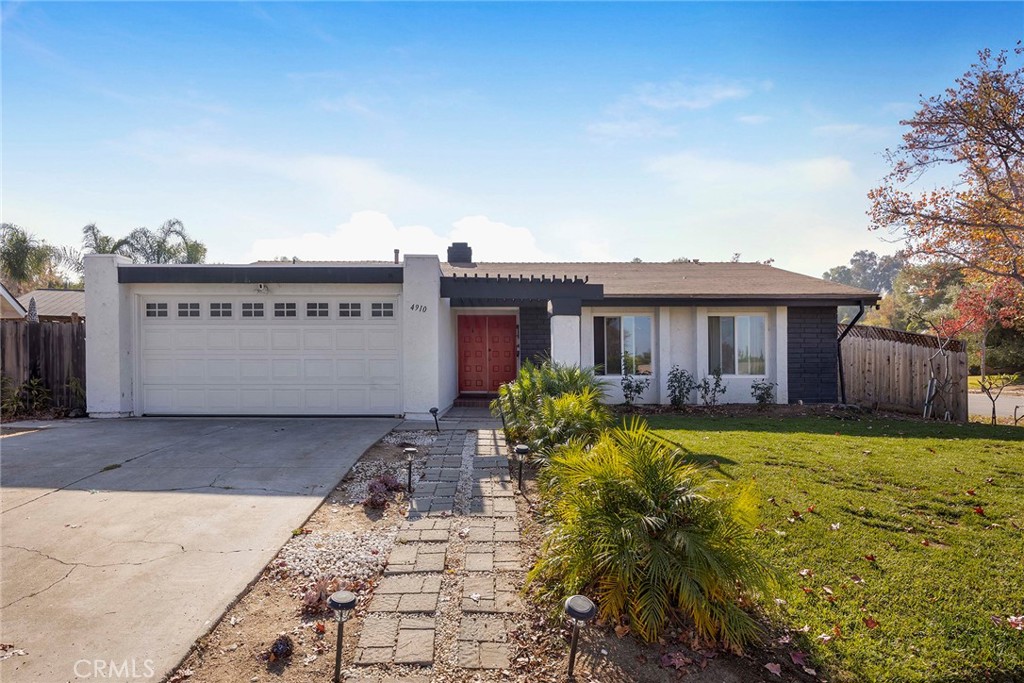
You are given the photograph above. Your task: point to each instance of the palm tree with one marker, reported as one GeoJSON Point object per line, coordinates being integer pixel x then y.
{"type": "Point", "coordinates": [24, 259]}
{"type": "Point", "coordinates": [167, 244]}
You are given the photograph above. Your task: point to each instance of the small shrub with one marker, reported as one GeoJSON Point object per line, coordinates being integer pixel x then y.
{"type": "Point", "coordinates": [314, 600]}
{"type": "Point", "coordinates": [680, 385]}
{"type": "Point", "coordinates": [576, 417]}
{"type": "Point", "coordinates": [763, 392]}
{"type": "Point", "coordinates": [11, 400]}
{"type": "Point", "coordinates": [29, 397]}
{"type": "Point", "coordinates": [379, 491]}
{"type": "Point", "coordinates": [710, 387]}
{"type": "Point", "coordinates": [637, 527]}
{"type": "Point", "coordinates": [633, 386]}
{"type": "Point", "coordinates": [283, 648]}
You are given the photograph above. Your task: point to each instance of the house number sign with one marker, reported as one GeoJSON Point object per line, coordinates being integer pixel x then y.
{"type": "Point", "coordinates": [419, 308]}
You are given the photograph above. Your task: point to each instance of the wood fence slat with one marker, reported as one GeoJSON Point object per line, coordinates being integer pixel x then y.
{"type": "Point", "coordinates": [52, 351]}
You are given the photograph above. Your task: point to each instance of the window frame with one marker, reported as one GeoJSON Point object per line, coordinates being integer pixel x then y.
{"type": "Point", "coordinates": [381, 310]}
{"type": "Point", "coordinates": [349, 310]}
{"type": "Point", "coordinates": [256, 309]}
{"type": "Point", "coordinates": [620, 315]}
{"type": "Point", "coordinates": [189, 309]}
{"type": "Point", "coordinates": [282, 310]}
{"type": "Point", "coordinates": [317, 310]}
{"type": "Point", "coordinates": [157, 309]}
{"type": "Point", "coordinates": [221, 311]}
{"type": "Point", "coordinates": [765, 340]}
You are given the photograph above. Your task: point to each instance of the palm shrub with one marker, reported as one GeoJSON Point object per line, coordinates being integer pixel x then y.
{"type": "Point", "coordinates": [636, 526]}
{"type": "Point", "coordinates": [521, 401]}
{"type": "Point", "coordinates": [578, 416]}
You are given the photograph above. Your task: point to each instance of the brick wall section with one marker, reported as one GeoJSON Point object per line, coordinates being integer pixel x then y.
{"type": "Point", "coordinates": [534, 333]}
{"type": "Point", "coordinates": [813, 355]}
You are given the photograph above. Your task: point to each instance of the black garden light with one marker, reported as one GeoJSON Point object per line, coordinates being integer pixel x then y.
{"type": "Point", "coordinates": [410, 453]}
{"type": "Point", "coordinates": [522, 450]}
{"type": "Point", "coordinates": [437, 427]}
{"type": "Point", "coordinates": [579, 608]}
{"type": "Point", "coordinates": [341, 602]}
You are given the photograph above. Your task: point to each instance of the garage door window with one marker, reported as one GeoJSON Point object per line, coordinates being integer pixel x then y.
{"type": "Point", "coordinates": [188, 310]}
{"type": "Point", "coordinates": [382, 310]}
{"type": "Point", "coordinates": [253, 310]}
{"type": "Point", "coordinates": [156, 310]}
{"type": "Point", "coordinates": [220, 310]}
{"type": "Point", "coordinates": [284, 310]}
{"type": "Point", "coordinates": [350, 310]}
{"type": "Point", "coordinates": [317, 310]}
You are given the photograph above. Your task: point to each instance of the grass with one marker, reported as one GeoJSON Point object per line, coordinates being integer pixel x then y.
{"type": "Point", "coordinates": [899, 491]}
{"type": "Point", "coordinates": [972, 382]}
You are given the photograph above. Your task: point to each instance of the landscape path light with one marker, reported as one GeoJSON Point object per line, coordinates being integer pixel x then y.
{"type": "Point", "coordinates": [341, 602]}
{"type": "Point", "coordinates": [522, 450]}
{"type": "Point", "coordinates": [579, 608]}
{"type": "Point", "coordinates": [437, 427]}
{"type": "Point", "coordinates": [410, 453]}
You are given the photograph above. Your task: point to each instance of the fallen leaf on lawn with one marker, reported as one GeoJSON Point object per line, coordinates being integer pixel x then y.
{"type": "Point", "coordinates": [798, 657]}
{"type": "Point", "coordinates": [996, 620]}
{"type": "Point", "coordinates": [796, 514]}
{"type": "Point", "coordinates": [1016, 622]}
{"type": "Point", "coordinates": [856, 579]}
{"type": "Point", "coordinates": [810, 508]}
{"type": "Point", "coordinates": [676, 660]}
{"type": "Point", "coordinates": [774, 668]}
{"type": "Point", "coordinates": [837, 631]}
{"type": "Point", "coordinates": [785, 640]}
{"type": "Point", "coordinates": [809, 670]}
{"type": "Point", "coordinates": [834, 527]}
{"type": "Point", "coordinates": [988, 480]}
{"type": "Point", "coordinates": [830, 598]}
{"type": "Point", "coordinates": [321, 627]}
{"type": "Point", "coordinates": [621, 630]}
{"type": "Point", "coordinates": [780, 601]}
{"type": "Point", "coordinates": [827, 589]}
{"type": "Point", "coordinates": [807, 590]}
{"type": "Point", "coordinates": [869, 558]}
{"type": "Point", "coordinates": [970, 492]}
{"type": "Point", "coordinates": [978, 510]}
{"type": "Point", "coordinates": [870, 622]}
{"type": "Point", "coordinates": [806, 572]}
{"type": "Point", "coordinates": [824, 637]}
{"type": "Point", "coordinates": [866, 452]}
{"type": "Point", "coordinates": [925, 542]}
{"type": "Point", "coordinates": [772, 501]}
{"type": "Point", "coordinates": [958, 470]}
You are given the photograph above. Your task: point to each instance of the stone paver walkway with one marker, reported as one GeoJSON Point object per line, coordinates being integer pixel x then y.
{"type": "Point", "coordinates": [465, 492]}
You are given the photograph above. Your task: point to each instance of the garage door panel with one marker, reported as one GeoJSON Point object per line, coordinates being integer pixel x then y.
{"type": "Point", "coordinates": [268, 366]}
{"type": "Point", "coordinates": [284, 340]}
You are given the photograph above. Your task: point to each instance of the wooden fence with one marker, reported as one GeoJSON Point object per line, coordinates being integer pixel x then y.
{"type": "Point", "coordinates": [891, 370]}
{"type": "Point", "coordinates": [52, 351]}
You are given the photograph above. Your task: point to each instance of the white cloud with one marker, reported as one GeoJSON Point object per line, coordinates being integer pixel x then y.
{"type": "Point", "coordinates": [688, 94]}
{"type": "Point", "coordinates": [690, 171]}
{"type": "Point", "coordinates": [372, 235]}
{"type": "Point", "coordinates": [753, 119]}
{"type": "Point", "coordinates": [635, 128]}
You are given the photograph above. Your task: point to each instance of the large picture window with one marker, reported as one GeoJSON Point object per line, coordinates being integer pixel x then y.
{"type": "Point", "coordinates": [736, 344]}
{"type": "Point", "coordinates": [622, 345]}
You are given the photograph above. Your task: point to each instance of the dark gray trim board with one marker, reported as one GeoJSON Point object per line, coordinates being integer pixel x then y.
{"type": "Point", "coordinates": [196, 274]}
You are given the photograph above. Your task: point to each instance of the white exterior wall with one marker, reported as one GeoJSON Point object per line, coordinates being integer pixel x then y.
{"type": "Point", "coordinates": [680, 337]}
{"type": "Point", "coordinates": [109, 352]}
{"type": "Point", "coordinates": [421, 336]}
{"type": "Point", "coordinates": [448, 355]}
{"type": "Point", "coordinates": [565, 339]}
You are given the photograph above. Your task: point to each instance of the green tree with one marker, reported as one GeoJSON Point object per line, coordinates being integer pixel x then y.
{"type": "Point", "coordinates": [921, 294]}
{"type": "Point", "coordinates": [26, 262]}
{"type": "Point", "coordinates": [867, 270]}
{"type": "Point", "coordinates": [169, 243]}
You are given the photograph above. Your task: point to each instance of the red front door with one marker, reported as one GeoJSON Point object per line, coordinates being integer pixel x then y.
{"type": "Point", "coordinates": [487, 352]}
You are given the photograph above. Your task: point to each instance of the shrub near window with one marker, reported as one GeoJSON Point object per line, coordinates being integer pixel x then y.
{"type": "Point", "coordinates": [763, 392]}
{"type": "Point", "coordinates": [680, 385]}
{"type": "Point", "coordinates": [637, 527]}
{"type": "Point", "coordinates": [633, 387]}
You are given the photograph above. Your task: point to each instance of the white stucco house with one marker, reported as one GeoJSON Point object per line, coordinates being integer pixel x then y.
{"type": "Point", "coordinates": [398, 338]}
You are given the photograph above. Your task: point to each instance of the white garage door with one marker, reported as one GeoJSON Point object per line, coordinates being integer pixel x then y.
{"type": "Point", "coordinates": [233, 355]}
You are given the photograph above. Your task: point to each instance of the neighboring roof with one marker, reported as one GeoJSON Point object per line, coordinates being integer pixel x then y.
{"type": "Point", "coordinates": [690, 281]}
{"type": "Point", "coordinates": [56, 303]}
{"type": "Point", "coordinates": [10, 307]}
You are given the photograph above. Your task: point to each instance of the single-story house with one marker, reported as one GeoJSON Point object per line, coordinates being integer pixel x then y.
{"type": "Point", "coordinates": [57, 305]}
{"type": "Point", "coordinates": [10, 307]}
{"type": "Point", "coordinates": [398, 338]}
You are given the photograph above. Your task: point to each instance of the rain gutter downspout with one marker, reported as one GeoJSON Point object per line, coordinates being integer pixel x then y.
{"type": "Point", "coordinates": [839, 351]}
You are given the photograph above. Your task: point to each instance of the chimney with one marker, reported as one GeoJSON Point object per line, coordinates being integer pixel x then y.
{"type": "Point", "coordinates": [396, 256]}
{"type": "Point", "coordinates": [460, 253]}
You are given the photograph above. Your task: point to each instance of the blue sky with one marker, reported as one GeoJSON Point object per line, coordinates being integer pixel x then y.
{"type": "Point", "coordinates": [534, 131]}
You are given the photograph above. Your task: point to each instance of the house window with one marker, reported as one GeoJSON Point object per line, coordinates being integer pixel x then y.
{"type": "Point", "coordinates": [156, 310]}
{"type": "Point", "coordinates": [253, 310]}
{"type": "Point", "coordinates": [736, 344]}
{"type": "Point", "coordinates": [220, 310]}
{"type": "Point", "coordinates": [382, 310]}
{"type": "Point", "coordinates": [317, 310]}
{"type": "Point", "coordinates": [188, 310]}
{"type": "Point", "coordinates": [348, 310]}
{"type": "Point", "coordinates": [622, 345]}
{"type": "Point", "coordinates": [284, 310]}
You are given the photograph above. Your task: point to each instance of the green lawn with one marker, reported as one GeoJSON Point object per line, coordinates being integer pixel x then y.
{"type": "Point", "coordinates": [898, 491]}
{"type": "Point", "coordinates": [972, 382]}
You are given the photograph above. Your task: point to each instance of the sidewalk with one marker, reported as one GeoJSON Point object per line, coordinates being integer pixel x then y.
{"type": "Point", "coordinates": [453, 578]}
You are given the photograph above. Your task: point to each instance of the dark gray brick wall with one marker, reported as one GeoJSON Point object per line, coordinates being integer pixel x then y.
{"type": "Point", "coordinates": [813, 355]}
{"type": "Point", "coordinates": [534, 333]}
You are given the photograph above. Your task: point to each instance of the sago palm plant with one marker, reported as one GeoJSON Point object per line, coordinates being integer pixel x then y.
{"type": "Point", "coordinates": [638, 528]}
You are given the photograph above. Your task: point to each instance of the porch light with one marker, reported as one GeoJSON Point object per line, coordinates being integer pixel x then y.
{"type": "Point", "coordinates": [579, 608]}
{"type": "Point", "coordinates": [341, 602]}
{"type": "Point", "coordinates": [437, 427]}
{"type": "Point", "coordinates": [522, 450]}
{"type": "Point", "coordinates": [410, 453]}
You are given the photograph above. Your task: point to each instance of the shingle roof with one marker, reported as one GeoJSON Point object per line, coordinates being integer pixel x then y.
{"type": "Point", "coordinates": [56, 303]}
{"type": "Point", "coordinates": [678, 280]}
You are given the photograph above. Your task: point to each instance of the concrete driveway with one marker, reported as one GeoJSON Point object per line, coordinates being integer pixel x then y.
{"type": "Point", "coordinates": [124, 540]}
